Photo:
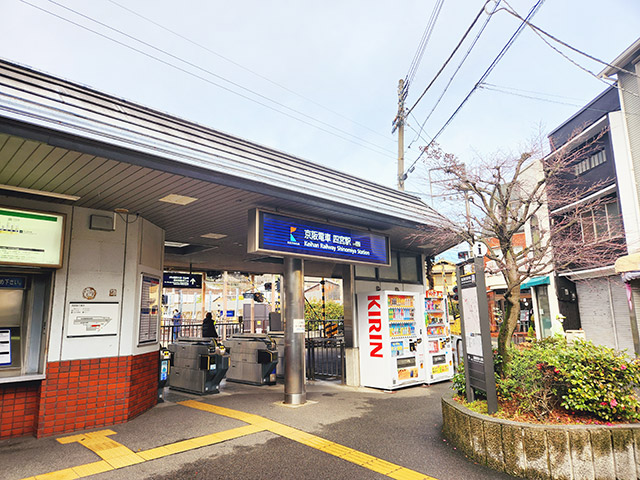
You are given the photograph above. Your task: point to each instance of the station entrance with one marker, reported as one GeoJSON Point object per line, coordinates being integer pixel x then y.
{"type": "Point", "coordinates": [138, 193]}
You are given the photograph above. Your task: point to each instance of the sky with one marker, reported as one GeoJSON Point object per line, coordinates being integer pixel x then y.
{"type": "Point", "coordinates": [319, 79]}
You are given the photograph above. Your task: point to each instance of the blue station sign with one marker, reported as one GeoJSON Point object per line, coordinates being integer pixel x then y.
{"type": "Point", "coordinates": [273, 233]}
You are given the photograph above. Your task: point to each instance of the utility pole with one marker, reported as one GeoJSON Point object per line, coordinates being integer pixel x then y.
{"type": "Point", "coordinates": [398, 124]}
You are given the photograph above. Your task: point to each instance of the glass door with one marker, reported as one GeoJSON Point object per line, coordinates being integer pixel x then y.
{"type": "Point", "coordinates": [544, 314]}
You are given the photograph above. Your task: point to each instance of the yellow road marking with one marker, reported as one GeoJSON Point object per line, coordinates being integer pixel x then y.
{"type": "Point", "coordinates": [115, 455]}
{"type": "Point", "coordinates": [349, 454]}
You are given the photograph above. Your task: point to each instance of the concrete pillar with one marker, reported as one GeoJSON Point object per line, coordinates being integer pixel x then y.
{"type": "Point", "coordinates": [294, 376]}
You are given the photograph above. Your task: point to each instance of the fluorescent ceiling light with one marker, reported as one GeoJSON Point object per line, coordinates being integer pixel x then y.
{"type": "Point", "coordinates": [175, 244]}
{"type": "Point", "coordinates": [31, 191]}
{"type": "Point", "coordinates": [177, 199]}
{"type": "Point", "coordinates": [214, 236]}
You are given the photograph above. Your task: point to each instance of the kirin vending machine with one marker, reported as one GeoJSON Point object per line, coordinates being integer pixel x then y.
{"type": "Point", "coordinates": [391, 330]}
{"type": "Point", "coordinates": [438, 338]}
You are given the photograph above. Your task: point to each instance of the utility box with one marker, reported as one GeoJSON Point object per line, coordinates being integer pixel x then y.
{"type": "Point", "coordinates": [260, 317]}
{"type": "Point", "coordinates": [253, 359]}
{"type": "Point", "coordinates": [198, 366]}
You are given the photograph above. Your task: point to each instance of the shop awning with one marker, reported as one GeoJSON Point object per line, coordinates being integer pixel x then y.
{"type": "Point", "coordinates": [533, 282]}
{"type": "Point", "coordinates": [628, 267]}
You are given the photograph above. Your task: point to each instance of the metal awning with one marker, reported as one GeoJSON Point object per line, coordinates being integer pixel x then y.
{"type": "Point", "coordinates": [62, 138]}
{"type": "Point", "coordinates": [534, 282]}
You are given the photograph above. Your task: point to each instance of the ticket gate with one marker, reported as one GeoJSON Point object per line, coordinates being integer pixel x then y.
{"type": "Point", "coordinates": [197, 365]}
{"type": "Point", "coordinates": [253, 359]}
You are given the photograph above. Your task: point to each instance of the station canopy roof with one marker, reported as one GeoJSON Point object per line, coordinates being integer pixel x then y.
{"type": "Point", "coordinates": [64, 138]}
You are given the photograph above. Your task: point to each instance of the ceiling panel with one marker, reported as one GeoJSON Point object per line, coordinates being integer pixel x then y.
{"type": "Point", "coordinates": [31, 162]}
{"type": "Point", "coordinates": [106, 184]}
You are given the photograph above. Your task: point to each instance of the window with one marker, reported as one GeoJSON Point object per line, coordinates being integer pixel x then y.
{"type": "Point", "coordinates": [405, 268]}
{"type": "Point", "coordinates": [410, 268]}
{"type": "Point", "coordinates": [590, 162]}
{"type": "Point", "coordinates": [367, 272]}
{"type": "Point", "coordinates": [390, 274]}
{"type": "Point", "coordinates": [601, 222]}
{"type": "Point", "coordinates": [535, 233]}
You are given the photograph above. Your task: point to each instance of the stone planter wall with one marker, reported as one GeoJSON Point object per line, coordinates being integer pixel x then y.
{"type": "Point", "coordinates": [544, 451]}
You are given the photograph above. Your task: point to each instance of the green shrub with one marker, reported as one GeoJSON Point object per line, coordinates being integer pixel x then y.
{"type": "Point", "coordinates": [313, 310]}
{"type": "Point", "coordinates": [459, 382]}
{"type": "Point", "coordinates": [530, 382]}
{"type": "Point", "coordinates": [581, 377]}
{"type": "Point", "coordinates": [598, 380]}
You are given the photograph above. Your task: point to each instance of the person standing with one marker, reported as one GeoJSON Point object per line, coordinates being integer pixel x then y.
{"type": "Point", "coordinates": [208, 326]}
{"type": "Point", "coordinates": [177, 323]}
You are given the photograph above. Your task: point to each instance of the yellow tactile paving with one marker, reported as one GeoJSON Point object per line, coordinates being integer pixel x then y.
{"type": "Point", "coordinates": [406, 474]}
{"type": "Point", "coordinates": [354, 456]}
{"type": "Point", "coordinates": [116, 455]}
{"type": "Point", "coordinates": [92, 468]}
{"type": "Point", "coordinates": [66, 474]}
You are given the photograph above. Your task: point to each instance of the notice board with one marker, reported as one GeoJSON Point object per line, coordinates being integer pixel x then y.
{"type": "Point", "coordinates": [150, 291]}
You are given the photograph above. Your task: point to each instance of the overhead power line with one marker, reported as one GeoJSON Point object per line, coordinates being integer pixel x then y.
{"type": "Point", "coordinates": [413, 68]}
{"type": "Point", "coordinates": [542, 34]}
{"type": "Point", "coordinates": [446, 62]}
{"type": "Point", "coordinates": [541, 97]}
{"type": "Point", "coordinates": [453, 76]}
{"type": "Point", "coordinates": [381, 150]}
{"type": "Point", "coordinates": [253, 72]}
{"type": "Point", "coordinates": [540, 31]}
{"type": "Point", "coordinates": [504, 50]}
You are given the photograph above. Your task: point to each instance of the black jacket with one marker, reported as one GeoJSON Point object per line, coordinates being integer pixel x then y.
{"type": "Point", "coordinates": [208, 328]}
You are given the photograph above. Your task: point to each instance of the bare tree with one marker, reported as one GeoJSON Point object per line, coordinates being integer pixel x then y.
{"type": "Point", "coordinates": [504, 194]}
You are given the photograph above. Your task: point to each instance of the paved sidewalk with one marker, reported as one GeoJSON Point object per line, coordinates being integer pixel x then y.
{"type": "Point", "coordinates": [246, 433]}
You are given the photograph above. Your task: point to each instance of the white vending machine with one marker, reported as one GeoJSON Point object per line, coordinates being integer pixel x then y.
{"type": "Point", "coordinates": [391, 330]}
{"type": "Point", "coordinates": [437, 346]}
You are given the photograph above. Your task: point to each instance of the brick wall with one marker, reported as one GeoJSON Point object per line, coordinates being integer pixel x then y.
{"type": "Point", "coordinates": [18, 409]}
{"type": "Point", "coordinates": [80, 394]}
{"type": "Point", "coordinates": [143, 392]}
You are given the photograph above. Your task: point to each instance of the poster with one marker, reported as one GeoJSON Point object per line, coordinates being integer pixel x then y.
{"type": "Point", "coordinates": [149, 309]}
{"type": "Point", "coordinates": [92, 319]}
{"type": "Point", "coordinates": [471, 318]}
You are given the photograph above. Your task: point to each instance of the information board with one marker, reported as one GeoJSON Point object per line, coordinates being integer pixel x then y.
{"type": "Point", "coordinates": [149, 309]}
{"type": "Point", "coordinates": [31, 238]}
{"type": "Point", "coordinates": [5, 347]}
{"type": "Point", "coordinates": [272, 233]}
{"type": "Point", "coordinates": [92, 319]}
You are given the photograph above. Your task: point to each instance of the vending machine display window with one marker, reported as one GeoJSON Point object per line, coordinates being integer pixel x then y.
{"type": "Point", "coordinates": [391, 350]}
{"type": "Point", "coordinates": [438, 344]}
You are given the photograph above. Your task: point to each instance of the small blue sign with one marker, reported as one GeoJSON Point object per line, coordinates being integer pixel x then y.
{"type": "Point", "coordinates": [231, 313]}
{"type": "Point", "coordinates": [278, 233]}
{"type": "Point", "coordinates": [13, 282]}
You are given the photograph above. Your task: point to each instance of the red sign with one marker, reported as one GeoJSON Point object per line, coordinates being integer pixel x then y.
{"type": "Point", "coordinates": [375, 325]}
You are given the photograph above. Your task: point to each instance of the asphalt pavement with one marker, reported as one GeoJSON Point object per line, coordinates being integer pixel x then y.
{"type": "Point", "coordinates": [246, 433]}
